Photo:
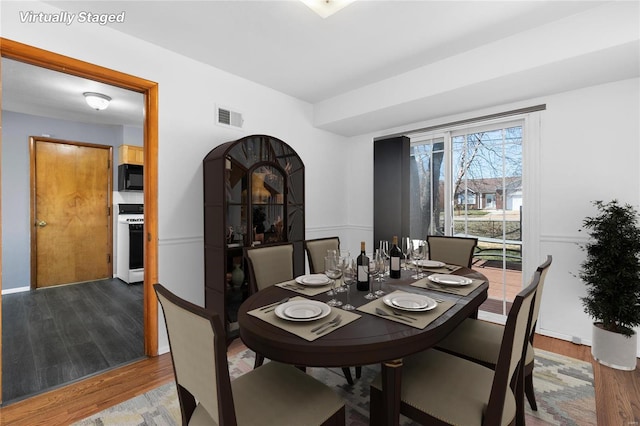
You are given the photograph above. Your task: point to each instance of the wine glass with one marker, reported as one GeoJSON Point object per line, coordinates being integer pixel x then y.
{"type": "Point", "coordinates": [348, 278]}
{"type": "Point", "coordinates": [373, 270]}
{"type": "Point", "coordinates": [333, 272]}
{"type": "Point", "coordinates": [406, 250]}
{"type": "Point", "coordinates": [384, 250]}
{"type": "Point", "coordinates": [344, 256]}
{"type": "Point", "coordinates": [382, 262]}
{"type": "Point", "coordinates": [418, 253]}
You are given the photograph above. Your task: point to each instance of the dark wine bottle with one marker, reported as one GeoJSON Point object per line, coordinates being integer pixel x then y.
{"type": "Point", "coordinates": [395, 255]}
{"type": "Point", "coordinates": [363, 270]}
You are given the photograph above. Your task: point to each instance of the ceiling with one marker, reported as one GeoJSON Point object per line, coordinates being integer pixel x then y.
{"type": "Point", "coordinates": [286, 46]}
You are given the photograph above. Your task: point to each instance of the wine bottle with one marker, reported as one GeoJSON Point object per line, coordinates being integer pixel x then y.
{"type": "Point", "coordinates": [394, 259]}
{"type": "Point", "coordinates": [363, 270]}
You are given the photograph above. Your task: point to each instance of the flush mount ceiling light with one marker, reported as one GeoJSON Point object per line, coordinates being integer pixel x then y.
{"type": "Point", "coordinates": [326, 8]}
{"type": "Point", "coordinates": [97, 101]}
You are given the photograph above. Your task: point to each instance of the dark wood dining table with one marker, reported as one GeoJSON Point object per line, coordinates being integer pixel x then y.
{"type": "Point", "coordinates": [368, 340]}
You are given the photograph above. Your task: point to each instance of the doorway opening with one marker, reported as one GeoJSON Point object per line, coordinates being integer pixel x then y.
{"type": "Point", "coordinates": [49, 60]}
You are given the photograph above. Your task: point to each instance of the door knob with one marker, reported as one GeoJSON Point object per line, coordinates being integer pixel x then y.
{"type": "Point", "coordinates": [41, 223]}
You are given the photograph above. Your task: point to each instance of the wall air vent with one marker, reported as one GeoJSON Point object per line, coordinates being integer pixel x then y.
{"type": "Point", "coordinates": [229, 118]}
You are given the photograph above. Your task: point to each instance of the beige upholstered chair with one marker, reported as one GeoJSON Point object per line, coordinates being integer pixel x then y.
{"type": "Point", "coordinates": [479, 341]}
{"type": "Point", "coordinates": [440, 388]}
{"type": "Point", "coordinates": [274, 394]}
{"type": "Point", "coordinates": [269, 265]}
{"type": "Point", "coordinates": [452, 250]}
{"type": "Point", "coordinates": [317, 251]}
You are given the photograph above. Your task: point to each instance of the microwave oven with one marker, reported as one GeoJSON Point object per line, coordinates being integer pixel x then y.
{"type": "Point", "coordinates": [130, 177]}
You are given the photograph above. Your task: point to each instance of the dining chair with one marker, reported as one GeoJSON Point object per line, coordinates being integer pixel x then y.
{"type": "Point", "coordinates": [440, 388]}
{"type": "Point", "coordinates": [269, 265]}
{"type": "Point", "coordinates": [452, 250]}
{"type": "Point", "coordinates": [274, 394]}
{"type": "Point", "coordinates": [316, 250]}
{"type": "Point", "coordinates": [479, 341]}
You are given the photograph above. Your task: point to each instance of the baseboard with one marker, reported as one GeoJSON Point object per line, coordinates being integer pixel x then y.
{"type": "Point", "coordinates": [15, 290]}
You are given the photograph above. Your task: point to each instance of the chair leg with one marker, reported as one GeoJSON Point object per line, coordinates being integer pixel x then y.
{"type": "Point", "coordinates": [259, 361]}
{"type": "Point", "coordinates": [528, 390]}
{"type": "Point", "coordinates": [358, 372]}
{"type": "Point", "coordinates": [347, 375]}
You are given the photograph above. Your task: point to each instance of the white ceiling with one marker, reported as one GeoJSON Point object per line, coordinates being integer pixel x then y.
{"type": "Point", "coordinates": [286, 46]}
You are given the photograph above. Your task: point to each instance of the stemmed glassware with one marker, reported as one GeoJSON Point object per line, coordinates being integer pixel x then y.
{"type": "Point", "coordinates": [406, 247]}
{"type": "Point", "coordinates": [384, 251]}
{"type": "Point", "coordinates": [373, 270]}
{"type": "Point", "coordinates": [333, 272]}
{"type": "Point", "coordinates": [342, 254]}
{"type": "Point", "coordinates": [418, 253]}
{"type": "Point", "coordinates": [381, 262]}
{"type": "Point", "coordinates": [348, 278]}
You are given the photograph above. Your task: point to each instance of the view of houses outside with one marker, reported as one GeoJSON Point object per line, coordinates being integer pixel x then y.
{"type": "Point", "coordinates": [486, 195]}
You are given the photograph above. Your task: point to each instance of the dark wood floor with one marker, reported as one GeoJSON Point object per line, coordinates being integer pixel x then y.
{"type": "Point", "coordinates": [54, 336]}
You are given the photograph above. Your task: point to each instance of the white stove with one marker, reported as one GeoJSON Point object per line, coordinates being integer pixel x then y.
{"type": "Point", "coordinates": [130, 243]}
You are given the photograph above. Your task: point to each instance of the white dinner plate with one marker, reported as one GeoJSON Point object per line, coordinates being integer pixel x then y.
{"type": "Point", "coordinates": [452, 280]}
{"type": "Point", "coordinates": [409, 302]}
{"type": "Point", "coordinates": [430, 263]}
{"type": "Point", "coordinates": [313, 280]}
{"type": "Point", "coordinates": [302, 310]}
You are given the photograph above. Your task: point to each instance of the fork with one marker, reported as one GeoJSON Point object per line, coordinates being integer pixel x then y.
{"type": "Point", "coordinates": [318, 329]}
{"type": "Point", "coordinates": [384, 313]}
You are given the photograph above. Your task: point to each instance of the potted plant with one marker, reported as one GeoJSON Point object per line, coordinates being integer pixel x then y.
{"type": "Point", "coordinates": [611, 272]}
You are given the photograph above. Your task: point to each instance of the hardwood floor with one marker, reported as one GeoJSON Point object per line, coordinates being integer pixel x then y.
{"type": "Point", "coordinates": [617, 392]}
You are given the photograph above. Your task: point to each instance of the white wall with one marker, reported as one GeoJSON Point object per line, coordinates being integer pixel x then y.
{"type": "Point", "coordinates": [188, 94]}
{"type": "Point", "coordinates": [589, 150]}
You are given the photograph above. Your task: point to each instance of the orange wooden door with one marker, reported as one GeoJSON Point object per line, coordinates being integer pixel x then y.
{"type": "Point", "coordinates": [72, 230]}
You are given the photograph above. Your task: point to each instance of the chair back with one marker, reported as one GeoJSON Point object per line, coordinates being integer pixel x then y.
{"type": "Point", "coordinates": [512, 350]}
{"type": "Point", "coordinates": [317, 250]}
{"type": "Point", "coordinates": [452, 250]}
{"type": "Point", "coordinates": [269, 265]}
{"type": "Point", "coordinates": [542, 269]}
{"type": "Point", "coordinates": [199, 356]}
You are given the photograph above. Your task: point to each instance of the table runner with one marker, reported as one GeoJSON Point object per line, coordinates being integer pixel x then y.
{"type": "Point", "coordinates": [459, 290]}
{"type": "Point", "coordinates": [303, 328]}
{"type": "Point", "coordinates": [422, 319]}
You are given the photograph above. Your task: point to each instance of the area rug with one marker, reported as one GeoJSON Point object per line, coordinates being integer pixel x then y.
{"type": "Point", "coordinates": [564, 392]}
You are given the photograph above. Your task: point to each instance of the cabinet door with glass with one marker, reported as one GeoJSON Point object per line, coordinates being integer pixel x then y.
{"type": "Point", "coordinates": [253, 195]}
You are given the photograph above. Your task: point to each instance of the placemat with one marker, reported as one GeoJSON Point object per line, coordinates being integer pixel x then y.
{"type": "Point", "coordinates": [305, 329]}
{"type": "Point", "coordinates": [460, 290]}
{"type": "Point", "coordinates": [417, 319]}
{"type": "Point", "coordinates": [292, 285]}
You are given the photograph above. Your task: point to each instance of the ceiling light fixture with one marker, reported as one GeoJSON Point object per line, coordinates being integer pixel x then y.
{"type": "Point", "coordinates": [97, 101]}
{"type": "Point", "coordinates": [326, 8]}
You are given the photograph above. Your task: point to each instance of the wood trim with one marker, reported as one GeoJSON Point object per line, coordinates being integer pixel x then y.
{"type": "Point", "coordinates": [50, 60]}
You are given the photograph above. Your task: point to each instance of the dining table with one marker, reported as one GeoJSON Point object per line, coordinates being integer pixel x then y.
{"type": "Point", "coordinates": [370, 334]}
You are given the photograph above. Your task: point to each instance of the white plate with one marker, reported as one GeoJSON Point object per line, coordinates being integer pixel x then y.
{"type": "Point", "coordinates": [302, 310]}
{"type": "Point", "coordinates": [453, 280]}
{"type": "Point", "coordinates": [430, 263]}
{"type": "Point", "coordinates": [410, 302]}
{"type": "Point", "coordinates": [313, 280]}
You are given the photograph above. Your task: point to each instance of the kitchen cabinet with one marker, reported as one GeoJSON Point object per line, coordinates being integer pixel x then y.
{"type": "Point", "coordinates": [253, 195]}
{"type": "Point", "coordinates": [130, 154]}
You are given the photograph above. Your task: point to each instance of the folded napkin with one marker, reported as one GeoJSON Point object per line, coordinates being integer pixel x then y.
{"type": "Point", "coordinates": [304, 328]}
{"type": "Point", "coordinates": [418, 319]}
{"type": "Point", "coordinates": [294, 286]}
{"type": "Point", "coordinates": [457, 290]}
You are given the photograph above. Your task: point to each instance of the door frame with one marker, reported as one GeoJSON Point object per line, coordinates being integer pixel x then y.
{"type": "Point", "coordinates": [46, 59]}
{"type": "Point", "coordinates": [33, 140]}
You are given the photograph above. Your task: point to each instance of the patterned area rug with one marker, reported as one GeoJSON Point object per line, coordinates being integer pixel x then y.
{"type": "Point", "coordinates": [564, 392]}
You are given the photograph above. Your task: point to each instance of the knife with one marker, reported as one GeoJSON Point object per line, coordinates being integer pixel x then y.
{"type": "Point", "coordinates": [270, 305]}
